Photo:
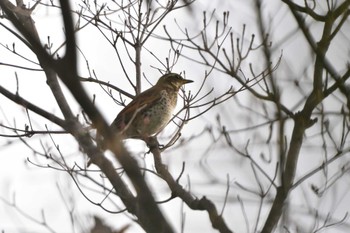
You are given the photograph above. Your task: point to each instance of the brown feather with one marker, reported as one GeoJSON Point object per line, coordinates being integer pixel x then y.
{"type": "Point", "coordinates": [139, 102]}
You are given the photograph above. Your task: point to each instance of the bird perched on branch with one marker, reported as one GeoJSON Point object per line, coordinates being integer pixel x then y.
{"type": "Point", "coordinates": [151, 110]}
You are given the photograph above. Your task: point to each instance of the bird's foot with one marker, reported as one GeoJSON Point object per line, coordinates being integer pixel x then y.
{"type": "Point", "coordinates": [153, 143]}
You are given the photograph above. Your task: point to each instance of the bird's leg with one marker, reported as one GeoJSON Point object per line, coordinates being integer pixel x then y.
{"type": "Point", "coordinates": [152, 143]}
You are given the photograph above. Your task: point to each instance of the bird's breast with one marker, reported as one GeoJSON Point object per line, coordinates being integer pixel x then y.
{"type": "Point", "coordinates": [164, 108]}
{"type": "Point", "coordinates": [157, 116]}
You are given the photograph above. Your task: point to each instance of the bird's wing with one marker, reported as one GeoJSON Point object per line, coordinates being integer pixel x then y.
{"type": "Point", "coordinates": [141, 101]}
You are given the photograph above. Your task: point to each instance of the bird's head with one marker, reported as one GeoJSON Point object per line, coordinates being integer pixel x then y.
{"type": "Point", "coordinates": [173, 81]}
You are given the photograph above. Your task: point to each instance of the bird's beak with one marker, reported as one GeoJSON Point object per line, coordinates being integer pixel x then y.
{"type": "Point", "coordinates": [184, 81]}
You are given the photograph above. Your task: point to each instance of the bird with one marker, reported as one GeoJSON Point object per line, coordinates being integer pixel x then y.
{"type": "Point", "coordinates": [150, 111]}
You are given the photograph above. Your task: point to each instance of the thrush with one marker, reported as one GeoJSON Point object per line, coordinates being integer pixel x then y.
{"type": "Point", "coordinates": [149, 112]}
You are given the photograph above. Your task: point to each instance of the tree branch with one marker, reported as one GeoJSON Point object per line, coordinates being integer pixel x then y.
{"type": "Point", "coordinates": [205, 204]}
{"type": "Point", "coordinates": [143, 206]}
